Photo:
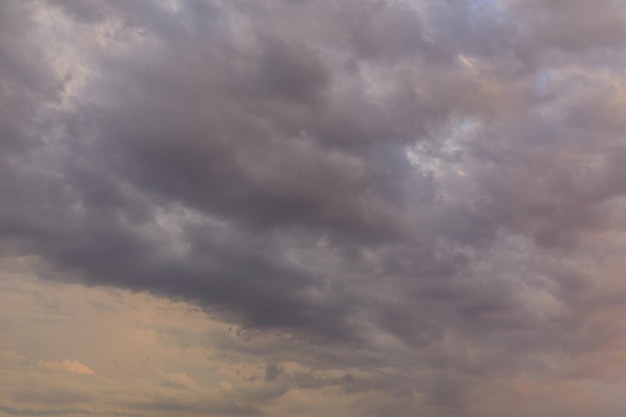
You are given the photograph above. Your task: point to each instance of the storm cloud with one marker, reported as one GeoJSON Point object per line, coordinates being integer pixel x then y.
{"type": "Point", "coordinates": [411, 199]}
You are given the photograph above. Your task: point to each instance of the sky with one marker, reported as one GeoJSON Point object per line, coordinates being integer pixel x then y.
{"type": "Point", "coordinates": [312, 208]}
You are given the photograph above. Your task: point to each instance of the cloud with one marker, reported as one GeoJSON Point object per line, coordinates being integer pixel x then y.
{"type": "Point", "coordinates": [272, 371]}
{"type": "Point", "coordinates": [66, 365]}
{"type": "Point", "coordinates": [178, 380]}
{"type": "Point", "coordinates": [32, 412]}
{"type": "Point", "coordinates": [430, 192]}
{"type": "Point", "coordinates": [10, 358]}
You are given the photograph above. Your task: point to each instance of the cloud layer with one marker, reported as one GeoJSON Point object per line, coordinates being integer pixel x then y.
{"type": "Point", "coordinates": [415, 201]}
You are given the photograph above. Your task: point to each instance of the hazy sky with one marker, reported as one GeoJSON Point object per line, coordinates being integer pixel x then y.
{"type": "Point", "coordinates": [313, 208]}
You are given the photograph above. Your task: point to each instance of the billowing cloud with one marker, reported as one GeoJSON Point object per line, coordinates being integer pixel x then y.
{"type": "Point", "coordinates": [392, 204]}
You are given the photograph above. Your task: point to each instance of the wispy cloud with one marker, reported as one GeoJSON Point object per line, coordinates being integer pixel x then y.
{"type": "Point", "coordinates": [66, 365]}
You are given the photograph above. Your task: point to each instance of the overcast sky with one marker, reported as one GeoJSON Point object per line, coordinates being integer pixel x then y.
{"type": "Point", "coordinates": [312, 208]}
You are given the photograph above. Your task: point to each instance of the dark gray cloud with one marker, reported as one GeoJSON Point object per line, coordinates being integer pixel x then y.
{"type": "Point", "coordinates": [26, 82]}
{"type": "Point", "coordinates": [437, 185]}
{"type": "Point", "coordinates": [272, 371]}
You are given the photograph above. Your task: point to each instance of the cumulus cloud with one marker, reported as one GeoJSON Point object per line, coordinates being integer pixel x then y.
{"type": "Point", "coordinates": [428, 192]}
